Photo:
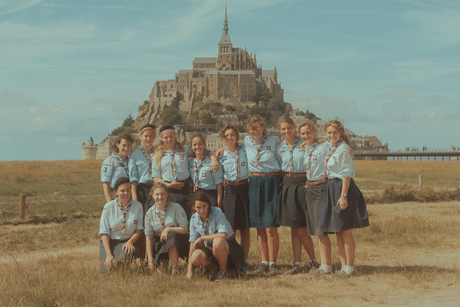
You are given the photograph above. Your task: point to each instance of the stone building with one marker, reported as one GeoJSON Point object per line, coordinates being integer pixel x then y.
{"type": "Point", "coordinates": [232, 77]}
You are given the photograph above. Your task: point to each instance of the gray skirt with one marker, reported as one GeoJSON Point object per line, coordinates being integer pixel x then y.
{"type": "Point", "coordinates": [160, 249]}
{"type": "Point", "coordinates": [314, 200]}
{"type": "Point", "coordinates": [291, 206]}
{"type": "Point", "coordinates": [235, 258]}
{"type": "Point", "coordinates": [117, 251]}
{"type": "Point", "coordinates": [235, 205]}
{"type": "Point", "coordinates": [354, 216]}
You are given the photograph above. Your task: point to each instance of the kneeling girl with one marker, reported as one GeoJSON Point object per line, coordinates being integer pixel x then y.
{"type": "Point", "coordinates": [212, 240]}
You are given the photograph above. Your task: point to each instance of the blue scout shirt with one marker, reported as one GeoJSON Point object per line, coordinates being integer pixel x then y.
{"type": "Point", "coordinates": [318, 156]}
{"type": "Point", "coordinates": [111, 220]}
{"type": "Point", "coordinates": [139, 166]}
{"type": "Point", "coordinates": [268, 159]}
{"type": "Point", "coordinates": [340, 163]}
{"type": "Point", "coordinates": [298, 161]}
{"type": "Point", "coordinates": [181, 161]}
{"type": "Point", "coordinates": [111, 171]}
{"type": "Point", "coordinates": [207, 179]}
{"type": "Point", "coordinates": [217, 223]}
{"type": "Point", "coordinates": [229, 164]}
{"type": "Point", "coordinates": [175, 217]}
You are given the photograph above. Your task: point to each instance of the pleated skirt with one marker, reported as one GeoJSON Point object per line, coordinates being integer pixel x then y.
{"type": "Point", "coordinates": [263, 199]}
{"type": "Point", "coordinates": [160, 249]}
{"type": "Point", "coordinates": [354, 216]}
{"type": "Point", "coordinates": [235, 206]}
{"type": "Point", "coordinates": [291, 207]}
{"type": "Point", "coordinates": [116, 247]}
{"type": "Point", "coordinates": [314, 200]}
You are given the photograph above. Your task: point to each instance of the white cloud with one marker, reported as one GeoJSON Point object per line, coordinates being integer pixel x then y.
{"type": "Point", "coordinates": [12, 6]}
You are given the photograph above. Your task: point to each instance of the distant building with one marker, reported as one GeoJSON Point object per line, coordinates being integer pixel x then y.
{"type": "Point", "coordinates": [229, 119]}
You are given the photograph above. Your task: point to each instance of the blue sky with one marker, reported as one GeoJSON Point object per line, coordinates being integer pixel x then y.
{"type": "Point", "coordinates": [74, 69]}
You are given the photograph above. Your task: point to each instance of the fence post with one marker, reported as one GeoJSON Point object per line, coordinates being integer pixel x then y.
{"type": "Point", "coordinates": [22, 206]}
{"type": "Point", "coordinates": [420, 183]}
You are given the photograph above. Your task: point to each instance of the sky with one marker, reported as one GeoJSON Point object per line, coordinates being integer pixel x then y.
{"type": "Point", "coordinates": [74, 69]}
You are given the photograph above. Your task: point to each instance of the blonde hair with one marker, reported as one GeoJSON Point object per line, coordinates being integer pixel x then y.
{"type": "Point", "coordinates": [158, 185]}
{"type": "Point", "coordinates": [339, 126]}
{"type": "Point", "coordinates": [256, 119]}
{"type": "Point", "coordinates": [161, 148]}
{"type": "Point", "coordinates": [285, 120]}
{"type": "Point", "coordinates": [310, 125]}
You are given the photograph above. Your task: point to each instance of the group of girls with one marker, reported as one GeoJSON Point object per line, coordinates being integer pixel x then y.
{"type": "Point", "coordinates": [301, 182]}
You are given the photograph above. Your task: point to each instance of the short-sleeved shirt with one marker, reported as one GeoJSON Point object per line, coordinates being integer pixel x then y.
{"type": "Point", "coordinates": [340, 163]}
{"type": "Point", "coordinates": [207, 179]}
{"type": "Point", "coordinates": [217, 223]}
{"type": "Point", "coordinates": [175, 217]}
{"type": "Point", "coordinates": [229, 164]}
{"type": "Point", "coordinates": [298, 161]}
{"type": "Point", "coordinates": [268, 158]}
{"type": "Point", "coordinates": [111, 220]}
{"type": "Point", "coordinates": [111, 171]}
{"type": "Point", "coordinates": [139, 166]}
{"type": "Point", "coordinates": [318, 156]}
{"type": "Point", "coordinates": [165, 172]}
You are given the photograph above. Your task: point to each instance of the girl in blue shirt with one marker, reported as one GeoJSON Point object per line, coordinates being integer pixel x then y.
{"type": "Point", "coordinates": [235, 203]}
{"type": "Point", "coordinates": [343, 206]}
{"type": "Point", "coordinates": [203, 178]}
{"type": "Point", "coordinates": [212, 241]}
{"type": "Point", "coordinates": [291, 210]}
{"type": "Point", "coordinates": [120, 228]}
{"type": "Point", "coordinates": [116, 166]}
{"type": "Point", "coordinates": [166, 230]}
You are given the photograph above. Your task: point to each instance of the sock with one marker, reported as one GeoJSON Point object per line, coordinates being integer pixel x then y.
{"type": "Point", "coordinates": [349, 269]}
{"type": "Point", "coordinates": [326, 268]}
{"type": "Point", "coordinates": [272, 263]}
{"type": "Point", "coordinates": [265, 262]}
{"type": "Point", "coordinates": [298, 264]}
{"type": "Point", "coordinates": [344, 267]}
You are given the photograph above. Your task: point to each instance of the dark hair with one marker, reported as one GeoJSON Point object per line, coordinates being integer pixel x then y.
{"type": "Point", "coordinates": [200, 196]}
{"type": "Point", "coordinates": [122, 136]}
{"type": "Point", "coordinates": [120, 181]}
{"type": "Point", "coordinates": [227, 127]}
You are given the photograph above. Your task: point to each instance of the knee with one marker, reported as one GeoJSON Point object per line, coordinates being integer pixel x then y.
{"type": "Point", "coordinates": [219, 243]}
{"type": "Point", "coordinates": [272, 232]}
{"type": "Point", "coordinates": [196, 258]}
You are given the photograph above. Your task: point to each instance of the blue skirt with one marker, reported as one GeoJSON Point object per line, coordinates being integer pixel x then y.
{"type": "Point", "coordinates": [291, 203]}
{"type": "Point", "coordinates": [314, 196]}
{"type": "Point", "coordinates": [263, 198]}
{"type": "Point", "coordinates": [354, 216]}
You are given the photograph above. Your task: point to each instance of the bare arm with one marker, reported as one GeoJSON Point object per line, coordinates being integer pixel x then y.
{"type": "Point", "coordinates": [109, 259]}
{"type": "Point", "coordinates": [134, 190]}
{"type": "Point", "coordinates": [343, 201]}
{"type": "Point", "coordinates": [128, 247]}
{"type": "Point", "coordinates": [106, 188]}
{"type": "Point", "coordinates": [220, 193]}
{"type": "Point", "coordinates": [149, 247]}
{"type": "Point", "coordinates": [164, 233]}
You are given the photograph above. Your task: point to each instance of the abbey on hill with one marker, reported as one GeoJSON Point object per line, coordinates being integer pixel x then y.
{"type": "Point", "coordinates": [233, 77]}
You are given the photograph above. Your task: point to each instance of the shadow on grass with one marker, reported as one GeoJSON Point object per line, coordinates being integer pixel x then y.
{"type": "Point", "coordinates": [368, 270]}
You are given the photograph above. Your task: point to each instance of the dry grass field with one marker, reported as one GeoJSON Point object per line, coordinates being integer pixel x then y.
{"type": "Point", "coordinates": [409, 256]}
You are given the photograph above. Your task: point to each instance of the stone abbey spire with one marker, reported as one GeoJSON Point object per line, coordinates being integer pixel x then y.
{"type": "Point", "coordinates": [225, 44]}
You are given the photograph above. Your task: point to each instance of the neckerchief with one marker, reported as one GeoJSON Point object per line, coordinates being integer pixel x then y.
{"type": "Point", "coordinates": [258, 147]}
{"type": "Point", "coordinates": [197, 170]}
{"type": "Point", "coordinates": [124, 211]}
{"type": "Point", "coordinates": [237, 162]}
{"type": "Point", "coordinates": [330, 152]}
{"type": "Point", "coordinates": [310, 152]}
{"type": "Point", "coordinates": [148, 159]}
{"type": "Point", "coordinates": [291, 152]}
{"type": "Point", "coordinates": [122, 164]}
{"type": "Point", "coordinates": [161, 217]}
{"type": "Point", "coordinates": [173, 163]}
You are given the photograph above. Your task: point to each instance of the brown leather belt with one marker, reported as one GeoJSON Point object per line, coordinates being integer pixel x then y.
{"type": "Point", "coordinates": [266, 174]}
{"type": "Point", "coordinates": [118, 241]}
{"type": "Point", "coordinates": [310, 184]}
{"type": "Point", "coordinates": [296, 175]}
{"type": "Point", "coordinates": [237, 183]}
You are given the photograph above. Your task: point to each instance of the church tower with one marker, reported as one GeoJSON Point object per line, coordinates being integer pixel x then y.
{"type": "Point", "coordinates": [225, 59]}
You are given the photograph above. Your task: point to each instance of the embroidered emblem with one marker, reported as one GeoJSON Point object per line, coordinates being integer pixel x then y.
{"type": "Point", "coordinates": [243, 164]}
{"type": "Point", "coordinates": [203, 175]}
{"type": "Point", "coordinates": [269, 148]}
{"type": "Point", "coordinates": [104, 169]}
{"type": "Point", "coordinates": [135, 222]}
{"type": "Point", "coordinates": [315, 157]}
{"type": "Point", "coordinates": [183, 215]}
{"type": "Point", "coordinates": [182, 158]}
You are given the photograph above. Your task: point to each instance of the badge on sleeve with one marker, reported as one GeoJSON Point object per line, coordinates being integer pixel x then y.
{"type": "Point", "coordinates": [315, 157]}
{"type": "Point", "coordinates": [269, 148]}
{"type": "Point", "coordinates": [104, 169]}
{"type": "Point", "coordinates": [243, 164]}
{"type": "Point", "coordinates": [182, 158]}
{"type": "Point", "coordinates": [135, 222]}
{"type": "Point", "coordinates": [183, 215]}
{"type": "Point", "coordinates": [203, 175]}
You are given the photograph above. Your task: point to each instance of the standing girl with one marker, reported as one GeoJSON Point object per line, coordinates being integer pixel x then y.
{"type": "Point", "coordinates": [116, 166]}
{"type": "Point", "coordinates": [166, 230]}
{"type": "Point", "coordinates": [291, 210]}
{"type": "Point", "coordinates": [212, 241]}
{"type": "Point", "coordinates": [265, 179]}
{"type": "Point", "coordinates": [120, 228]}
{"type": "Point", "coordinates": [315, 155]}
{"type": "Point", "coordinates": [203, 178]}
{"type": "Point", "coordinates": [235, 203]}
{"type": "Point", "coordinates": [140, 170]}
{"type": "Point", "coordinates": [343, 207]}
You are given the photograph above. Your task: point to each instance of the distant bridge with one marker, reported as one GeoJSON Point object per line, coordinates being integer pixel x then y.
{"type": "Point", "coordinates": [400, 154]}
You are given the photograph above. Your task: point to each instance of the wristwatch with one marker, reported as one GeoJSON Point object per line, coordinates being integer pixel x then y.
{"type": "Point", "coordinates": [344, 194]}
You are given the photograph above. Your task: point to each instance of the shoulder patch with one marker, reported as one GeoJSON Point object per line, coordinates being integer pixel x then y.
{"type": "Point", "coordinates": [104, 169]}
